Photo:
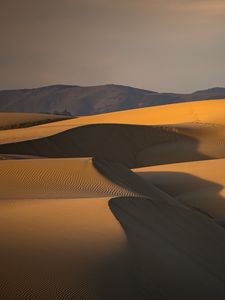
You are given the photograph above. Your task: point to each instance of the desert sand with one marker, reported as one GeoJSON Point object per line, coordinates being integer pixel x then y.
{"type": "Point", "coordinates": [206, 112]}
{"type": "Point", "coordinates": [189, 132]}
{"type": "Point", "coordinates": [76, 222]}
{"type": "Point", "coordinates": [200, 184]}
{"type": "Point", "coordinates": [18, 120]}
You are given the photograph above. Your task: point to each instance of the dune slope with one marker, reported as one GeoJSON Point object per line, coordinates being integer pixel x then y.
{"type": "Point", "coordinates": [177, 253]}
{"type": "Point", "coordinates": [76, 223]}
{"type": "Point", "coordinates": [131, 145]}
{"type": "Point", "coordinates": [200, 112]}
{"type": "Point", "coordinates": [58, 237]}
{"type": "Point", "coordinates": [199, 184]}
{"type": "Point", "coordinates": [70, 235]}
{"type": "Point", "coordinates": [135, 142]}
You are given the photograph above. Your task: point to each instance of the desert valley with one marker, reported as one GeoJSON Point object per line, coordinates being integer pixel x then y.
{"type": "Point", "coordinates": [120, 205]}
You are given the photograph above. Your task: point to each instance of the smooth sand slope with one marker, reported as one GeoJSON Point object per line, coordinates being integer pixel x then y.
{"type": "Point", "coordinates": [199, 184]}
{"type": "Point", "coordinates": [61, 249]}
{"type": "Point", "coordinates": [176, 252]}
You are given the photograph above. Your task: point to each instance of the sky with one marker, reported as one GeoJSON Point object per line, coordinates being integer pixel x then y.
{"type": "Point", "coordinates": [160, 45]}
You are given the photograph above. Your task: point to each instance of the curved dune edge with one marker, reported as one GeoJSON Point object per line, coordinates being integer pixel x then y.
{"type": "Point", "coordinates": [66, 247]}
{"type": "Point", "coordinates": [62, 249]}
{"type": "Point", "coordinates": [122, 176]}
{"type": "Point", "coordinates": [206, 112]}
{"type": "Point", "coordinates": [174, 252]}
{"type": "Point", "coordinates": [60, 218]}
{"type": "Point", "coordinates": [149, 145]}
{"type": "Point", "coordinates": [130, 181]}
{"type": "Point", "coordinates": [54, 236]}
{"type": "Point", "coordinates": [199, 184]}
{"type": "Point", "coordinates": [164, 251]}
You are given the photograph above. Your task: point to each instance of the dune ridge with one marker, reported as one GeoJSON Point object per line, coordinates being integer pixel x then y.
{"type": "Point", "coordinates": [133, 138]}
{"type": "Point", "coordinates": [159, 235]}
{"type": "Point", "coordinates": [190, 142]}
{"type": "Point", "coordinates": [203, 112]}
{"type": "Point", "coordinates": [72, 206]}
{"type": "Point", "coordinates": [76, 223]}
{"type": "Point", "coordinates": [200, 184]}
{"type": "Point", "coordinates": [61, 204]}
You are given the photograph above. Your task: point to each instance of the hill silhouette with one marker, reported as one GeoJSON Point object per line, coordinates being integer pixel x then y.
{"type": "Point", "coordinates": [76, 100]}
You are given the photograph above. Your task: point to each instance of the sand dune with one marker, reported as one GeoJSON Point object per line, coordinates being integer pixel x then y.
{"type": "Point", "coordinates": [131, 145]}
{"type": "Point", "coordinates": [135, 142]}
{"type": "Point", "coordinates": [51, 204]}
{"type": "Point", "coordinates": [210, 111]}
{"type": "Point", "coordinates": [76, 223]}
{"type": "Point", "coordinates": [177, 253]}
{"type": "Point", "coordinates": [80, 247]}
{"type": "Point", "coordinates": [18, 120]}
{"type": "Point", "coordinates": [200, 184]}
{"type": "Point", "coordinates": [61, 249]}
{"type": "Point", "coordinates": [91, 256]}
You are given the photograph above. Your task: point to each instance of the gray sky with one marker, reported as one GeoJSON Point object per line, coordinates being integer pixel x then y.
{"type": "Point", "coordinates": [163, 45]}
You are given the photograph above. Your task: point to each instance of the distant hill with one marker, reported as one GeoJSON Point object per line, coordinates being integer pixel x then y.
{"type": "Point", "coordinates": [78, 101]}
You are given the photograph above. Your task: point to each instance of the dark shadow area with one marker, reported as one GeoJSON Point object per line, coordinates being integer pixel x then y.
{"type": "Point", "coordinates": [118, 278]}
{"type": "Point", "coordinates": [57, 272]}
{"type": "Point", "coordinates": [193, 191]}
{"type": "Point", "coordinates": [115, 143]}
{"type": "Point", "coordinates": [178, 253]}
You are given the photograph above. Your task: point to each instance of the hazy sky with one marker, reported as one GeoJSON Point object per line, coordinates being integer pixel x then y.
{"type": "Point", "coordinates": [163, 45]}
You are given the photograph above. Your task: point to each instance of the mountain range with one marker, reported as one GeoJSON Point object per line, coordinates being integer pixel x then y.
{"type": "Point", "coordinates": [77, 100]}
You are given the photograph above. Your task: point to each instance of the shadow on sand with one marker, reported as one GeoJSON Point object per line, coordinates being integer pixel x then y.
{"type": "Point", "coordinates": [195, 192]}
{"type": "Point", "coordinates": [125, 144]}
{"type": "Point", "coordinates": [177, 252]}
